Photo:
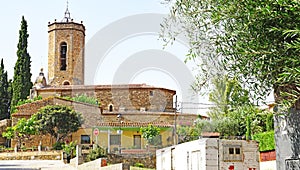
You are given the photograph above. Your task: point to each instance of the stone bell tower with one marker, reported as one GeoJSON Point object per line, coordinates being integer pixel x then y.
{"type": "Point", "coordinates": [66, 52]}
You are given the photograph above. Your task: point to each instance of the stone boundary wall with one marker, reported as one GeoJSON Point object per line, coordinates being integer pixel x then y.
{"type": "Point", "coordinates": [3, 125]}
{"type": "Point", "coordinates": [114, 167]}
{"type": "Point", "coordinates": [148, 160]}
{"type": "Point", "coordinates": [96, 165]}
{"type": "Point", "coordinates": [52, 155]}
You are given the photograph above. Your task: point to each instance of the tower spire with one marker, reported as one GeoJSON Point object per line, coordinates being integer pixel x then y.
{"type": "Point", "coordinates": [67, 16]}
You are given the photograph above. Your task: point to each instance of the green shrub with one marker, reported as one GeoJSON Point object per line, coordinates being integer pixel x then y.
{"type": "Point", "coordinates": [23, 148]}
{"type": "Point", "coordinates": [70, 148]}
{"type": "Point", "coordinates": [150, 133]}
{"type": "Point", "coordinates": [83, 99]}
{"type": "Point", "coordinates": [58, 145]}
{"type": "Point", "coordinates": [140, 165]}
{"type": "Point", "coordinates": [21, 102]}
{"type": "Point", "coordinates": [266, 140]}
{"type": "Point", "coordinates": [96, 153]}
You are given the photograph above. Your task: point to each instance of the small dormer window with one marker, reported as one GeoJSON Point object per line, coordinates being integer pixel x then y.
{"type": "Point", "coordinates": [63, 56]}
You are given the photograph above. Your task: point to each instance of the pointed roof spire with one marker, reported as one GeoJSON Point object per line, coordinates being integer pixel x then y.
{"type": "Point", "coordinates": [67, 16]}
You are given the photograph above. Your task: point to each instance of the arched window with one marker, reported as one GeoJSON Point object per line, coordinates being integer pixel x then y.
{"type": "Point", "coordinates": [110, 107]}
{"type": "Point", "coordinates": [66, 83]}
{"type": "Point", "coordinates": [63, 56]}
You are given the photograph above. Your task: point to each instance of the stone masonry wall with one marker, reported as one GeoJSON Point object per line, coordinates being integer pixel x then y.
{"type": "Point", "coordinates": [93, 115]}
{"type": "Point", "coordinates": [148, 160]}
{"type": "Point", "coordinates": [121, 99]}
{"type": "Point", "coordinates": [74, 35]}
{"type": "Point", "coordinates": [3, 125]}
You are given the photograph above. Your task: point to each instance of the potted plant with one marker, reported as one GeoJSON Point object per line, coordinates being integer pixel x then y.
{"type": "Point", "coordinates": [69, 150]}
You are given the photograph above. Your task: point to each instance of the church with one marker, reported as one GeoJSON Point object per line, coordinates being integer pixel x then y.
{"type": "Point", "coordinates": [122, 109]}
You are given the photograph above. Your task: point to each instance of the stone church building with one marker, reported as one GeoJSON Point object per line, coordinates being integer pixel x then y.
{"type": "Point", "coordinates": [122, 109]}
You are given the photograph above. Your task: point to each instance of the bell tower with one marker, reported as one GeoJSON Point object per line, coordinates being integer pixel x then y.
{"type": "Point", "coordinates": [66, 52]}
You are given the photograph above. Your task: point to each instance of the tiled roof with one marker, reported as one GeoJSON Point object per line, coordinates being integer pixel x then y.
{"type": "Point", "coordinates": [29, 109]}
{"type": "Point", "coordinates": [134, 124]}
{"type": "Point", "coordinates": [210, 134]}
{"type": "Point", "coordinates": [99, 87]}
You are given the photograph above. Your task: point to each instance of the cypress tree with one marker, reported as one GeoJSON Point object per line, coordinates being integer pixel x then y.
{"type": "Point", "coordinates": [248, 128]}
{"type": "Point", "coordinates": [9, 93]}
{"type": "Point", "coordinates": [4, 96]}
{"type": "Point", "coordinates": [22, 76]}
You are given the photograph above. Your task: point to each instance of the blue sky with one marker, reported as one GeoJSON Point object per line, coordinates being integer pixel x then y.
{"type": "Point", "coordinates": [96, 15]}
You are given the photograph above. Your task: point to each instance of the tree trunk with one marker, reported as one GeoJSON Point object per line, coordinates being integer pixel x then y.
{"type": "Point", "coordinates": [287, 132]}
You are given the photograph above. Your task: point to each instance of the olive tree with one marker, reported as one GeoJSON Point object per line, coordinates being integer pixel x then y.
{"type": "Point", "coordinates": [59, 121]}
{"type": "Point", "coordinates": [25, 129]}
{"type": "Point", "coordinates": [255, 41]}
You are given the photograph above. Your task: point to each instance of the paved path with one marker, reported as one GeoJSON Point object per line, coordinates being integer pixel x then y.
{"type": "Point", "coordinates": [34, 165]}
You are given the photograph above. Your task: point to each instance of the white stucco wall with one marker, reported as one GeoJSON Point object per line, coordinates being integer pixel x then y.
{"type": "Point", "coordinates": [268, 165]}
{"type": "Point", "coordinates": [208, 154]}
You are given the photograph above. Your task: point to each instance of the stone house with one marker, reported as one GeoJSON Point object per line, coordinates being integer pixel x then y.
{"type": "Point", "coordinates": [116, 130]}
{"type": "Point", "coordinates": [118, 98]}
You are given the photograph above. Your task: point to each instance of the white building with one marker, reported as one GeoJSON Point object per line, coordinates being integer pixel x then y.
{"type": "Point", "coordinates": [209, 154]}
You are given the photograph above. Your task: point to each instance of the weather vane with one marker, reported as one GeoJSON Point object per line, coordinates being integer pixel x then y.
{"type": "Point", "coordinates": [67, 16]}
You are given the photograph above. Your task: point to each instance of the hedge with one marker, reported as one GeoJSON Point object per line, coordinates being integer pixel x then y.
{"type": "Point", "coordinates": [266, 141]}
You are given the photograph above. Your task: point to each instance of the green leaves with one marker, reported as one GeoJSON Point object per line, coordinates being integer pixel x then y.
{"type": "Point", "coordinates": [58, 120]}
{"type": "Point", "coordinates": [4, 93]}
{"type": "Point", "coordinates": [9, 133]}
{"type": "Point", "coordinates": [255, 41]}
{"type": "Point", "coordinates": [23, 130]}
{"type": "Point", "coordinates": [69, 148]}
{"type": "Point", "coordinates": [149, 133]}
{"type": "Point", "coordinates": [266, 141]}
{"type": "Point", "coordinates": [188, 133]}
{"type": "Point", "coordinates": [84, 99]}
{"type": "Point", "coordinates": [22, 76]}
{"type": "Point", "coordinates": [96, 153]}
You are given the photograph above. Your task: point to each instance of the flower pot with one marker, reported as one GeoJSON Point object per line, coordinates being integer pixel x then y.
{"type": "Point", "coordinates": [68, 158]}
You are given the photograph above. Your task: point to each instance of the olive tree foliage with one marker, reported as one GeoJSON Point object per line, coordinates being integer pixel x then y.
{"type": "Point", "coordinates": [189, 133]}
{"type": "Point", "coordinates": [256, 41]}
{"type": "Point", "coordinates": [227, 94]}
{"type": "Point", "coordinates": [59, 121]}
{"type": "Point", "coordinates": [233, 113]}
{"type": "Point", "coordinates": [243, 122]}
{"type": "Point", "coordinates": [23, 130]}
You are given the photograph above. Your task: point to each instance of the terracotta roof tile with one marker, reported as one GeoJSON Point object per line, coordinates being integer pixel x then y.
{"type": "Point", "coordinates": [210, 134]}
{"type": "Point", "coordinates": [134, 124]}
{"type": "Point", "coordinates": [110, 86]}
